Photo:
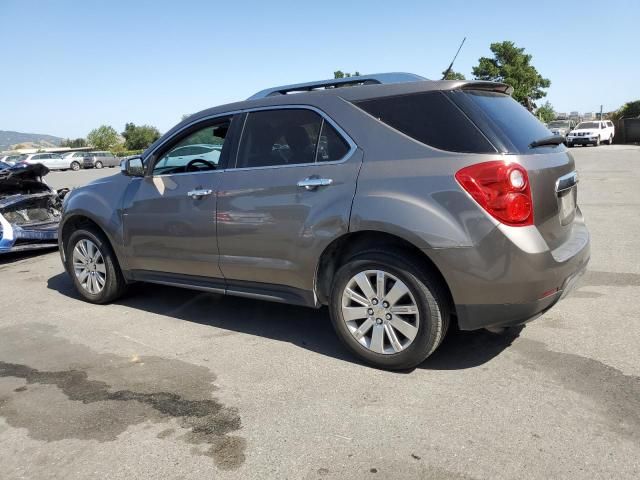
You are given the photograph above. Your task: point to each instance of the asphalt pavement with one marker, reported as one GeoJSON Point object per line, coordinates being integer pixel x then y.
{"type": "Point", "coordinates": [175, 384]}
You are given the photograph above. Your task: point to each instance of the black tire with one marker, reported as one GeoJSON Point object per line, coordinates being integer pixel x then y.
{"type": "Point", "coordinates": [610, 141]}
{"type": "Point", "coordinates": [597, 144]}
{"type": "Point", "coordinates": [115, 284]}
{"type": "Point", "coordinates": [75, 166]}
{"type": "Point", "coordinates": [98, 165]}
{"type": "Point", "coordinates": [570, 145]}
{"type": "Point", "coordinates": [430, 297]}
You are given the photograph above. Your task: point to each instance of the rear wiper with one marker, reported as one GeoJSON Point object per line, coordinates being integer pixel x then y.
{"type": "Point", "coordinates": [553, 140]}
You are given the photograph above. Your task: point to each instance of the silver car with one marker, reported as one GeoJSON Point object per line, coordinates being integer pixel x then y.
{"type": "Point", "coordinates": [400, 203]}
{"type": "Point", "coordinates": [100, 160]}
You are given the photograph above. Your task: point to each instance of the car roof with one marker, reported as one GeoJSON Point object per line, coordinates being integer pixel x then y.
{"type": "Point", "coordinates": [346, 93]}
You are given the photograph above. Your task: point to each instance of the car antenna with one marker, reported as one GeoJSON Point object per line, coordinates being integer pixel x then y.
{"type": "Point", "coordinates": [448, 70]}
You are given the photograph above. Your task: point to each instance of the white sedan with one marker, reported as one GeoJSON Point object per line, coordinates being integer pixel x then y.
{"type": "Point", "coordinates": [52, 161]}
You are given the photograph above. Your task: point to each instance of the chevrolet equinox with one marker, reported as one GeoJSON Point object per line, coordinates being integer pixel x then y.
{"type": "Point", "coordinates": [402, 204]}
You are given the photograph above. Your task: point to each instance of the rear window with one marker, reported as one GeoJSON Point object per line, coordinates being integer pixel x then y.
{"type": "Point", "coordinates": [514, 125]}
{"type": "Point", "coordinates": [430, 118]}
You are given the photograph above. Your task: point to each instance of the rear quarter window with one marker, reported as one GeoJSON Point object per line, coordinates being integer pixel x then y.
{"type": "Point", "coordinates": [430, 118]}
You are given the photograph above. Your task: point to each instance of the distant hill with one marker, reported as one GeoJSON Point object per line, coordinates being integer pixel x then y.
{"type": "Point", "coordinates": [29, 140]}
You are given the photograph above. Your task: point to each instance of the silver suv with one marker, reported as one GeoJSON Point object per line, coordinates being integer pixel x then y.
{"type": "Point", "coordinates": [100, 160]}
{"type": "Point", "coordinates": [401, 203]}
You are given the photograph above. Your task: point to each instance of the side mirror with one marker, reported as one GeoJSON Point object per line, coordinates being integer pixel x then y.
{"type": "Point", "coordinates": [132, 167]}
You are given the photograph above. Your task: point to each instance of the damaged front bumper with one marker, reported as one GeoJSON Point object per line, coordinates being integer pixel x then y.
{"type": "Point", "coordinates": [29, 210]}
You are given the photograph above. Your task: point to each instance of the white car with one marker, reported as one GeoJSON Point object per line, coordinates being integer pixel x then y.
{"type": "Point", "coordinates": [52, 161]}
{"type": "Point", "coordinates": [592, 133]}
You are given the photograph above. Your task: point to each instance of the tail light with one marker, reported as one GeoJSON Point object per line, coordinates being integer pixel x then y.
{"type": "Point", "coordinates": [502, 189]}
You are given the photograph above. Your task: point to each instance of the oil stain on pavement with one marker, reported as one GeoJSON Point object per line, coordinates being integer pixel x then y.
{"type": "Point", "coordinates": [98, 396]}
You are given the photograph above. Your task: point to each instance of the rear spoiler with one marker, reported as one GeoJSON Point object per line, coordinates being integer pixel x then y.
{"type": "Point", "coordinates": [487, 87]}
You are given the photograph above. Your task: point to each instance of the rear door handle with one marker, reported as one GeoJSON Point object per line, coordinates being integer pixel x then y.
{"type": "Point", "coordinates": [199, 193]}
{"type": "Point", "coordinates": [311, 183]}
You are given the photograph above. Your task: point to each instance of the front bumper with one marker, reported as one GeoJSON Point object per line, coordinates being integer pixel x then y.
{"type": "Point", "coordinates": [581, 140]}
{"type": "Point", "coordinates": [15, 238]}
{"type": "Point", "coordinates": [497, 284]}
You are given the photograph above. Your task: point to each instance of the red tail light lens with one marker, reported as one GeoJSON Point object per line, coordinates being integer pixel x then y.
{"type": "Point", "coordinates": [502, 189]}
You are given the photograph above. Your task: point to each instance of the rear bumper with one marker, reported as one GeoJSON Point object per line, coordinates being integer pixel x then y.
{"type": "Point", "coordinates": [499, 283]}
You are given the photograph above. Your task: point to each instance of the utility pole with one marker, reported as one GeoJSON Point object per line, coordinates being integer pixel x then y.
{"type": "Point", "coordinates": [600, 112]}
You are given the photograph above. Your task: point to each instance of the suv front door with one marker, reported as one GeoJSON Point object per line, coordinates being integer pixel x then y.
{"type": "Point", "coordinates": [287, 197]}
{"type": "Point", "coordinates": [170, 214]}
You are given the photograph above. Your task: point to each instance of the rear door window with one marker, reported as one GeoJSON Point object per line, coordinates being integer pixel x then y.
{"type": "Point", "coordinates": [430, 118]}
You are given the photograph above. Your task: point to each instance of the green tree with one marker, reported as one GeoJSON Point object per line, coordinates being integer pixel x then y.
{"type": "Point", "coordinates": [546, 113]}
{"type": "Point", "coordinates": [629, 109]}
{"type": "Point", "coordinates": [103, 138]}
{"type": "Point", "coordinates": [139, 137]}
{"type": "Point", "coordinates": [512, 66]}
{"type": "Point", "coordinates": [341, 74]}
{"type": "Point", "coordinates": [76, 143]}
{"type": "Point", "coordinates": [453, 75]}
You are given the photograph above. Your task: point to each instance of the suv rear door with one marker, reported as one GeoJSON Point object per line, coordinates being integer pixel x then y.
{"type": "Point", "coordinates": [287, 197]}
{"type": "Point", "coordinates": [551, 169]}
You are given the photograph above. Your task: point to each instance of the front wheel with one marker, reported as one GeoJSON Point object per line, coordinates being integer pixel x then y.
{"type": "Point", "coordinates": [597, 144]}
{"type": "Point", "coordinates": [610, 141]}
{"type": "Point", "coordinates": [75, 166]}
{"type": "Point", "coordinates": [98, 165]}
{"type": "Point", "coordinates": [93, 266]}
{"type": "Point", "coordinates": [388, 312]}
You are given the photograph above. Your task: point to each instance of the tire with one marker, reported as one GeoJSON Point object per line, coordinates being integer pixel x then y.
{"type": "Point", "coordinates": [98, 165]}
{"type": "Point", "coordinates": [610, 141]}
{"type": "Point", "coordinates": [597, 144]}
{"type": "Point", "coordinates": [424, 295]}
{"type": "Point", "coordinates": [570, 145]}
{"type": "Point", "coordinates": [75, 166]}
{"type": "Point", "coordinates": [113, 282]}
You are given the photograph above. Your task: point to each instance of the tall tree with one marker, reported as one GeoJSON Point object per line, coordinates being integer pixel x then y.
{"type": "Point", "coordinates": [451, 75]}
{"type": "Point", "coordinates": [546, 113]}
{"type": "Point", "coordinates": [512, 66]}
{"type": "Point", "coordinates": [628, 110]}
{"type": "Point", "coordinates": [139, 137]}
{"type": "Point", "coordinates": [103, 138]}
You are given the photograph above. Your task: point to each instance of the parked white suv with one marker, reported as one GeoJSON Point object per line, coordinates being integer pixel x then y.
{"type": "Point", "coordinates": [593, 133]}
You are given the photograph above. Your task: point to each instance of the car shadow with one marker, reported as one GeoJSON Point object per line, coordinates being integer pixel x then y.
{"type": "Point", "coordinates": [11, 257]}
{"type": "Point", "coordinates": [306, 328]}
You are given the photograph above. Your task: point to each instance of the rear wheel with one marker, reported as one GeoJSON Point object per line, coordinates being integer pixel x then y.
{"type": "Point", "coordinates": [93, 266]}
{"type": "Point", "coordinates": [98, 164]}
{"type": "Point", "coordinates": [75, 166]}
{"type": "Point", "coordinates": [388, 312]}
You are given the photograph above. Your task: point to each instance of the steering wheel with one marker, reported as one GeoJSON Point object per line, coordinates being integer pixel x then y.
{"type": "Point", "coordinates": [209, 164]}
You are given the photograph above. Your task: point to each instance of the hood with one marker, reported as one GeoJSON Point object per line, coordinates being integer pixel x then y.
{"type": "Point", "coordinates": [24, 171]}
{"type": "Point", "coordinates": [23, 180]}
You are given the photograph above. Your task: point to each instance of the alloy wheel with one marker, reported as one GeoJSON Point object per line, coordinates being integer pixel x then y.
{"type": "Point", "coordinates": [89, 266]}
{"type": "Point", "coordinates": [380, 312]}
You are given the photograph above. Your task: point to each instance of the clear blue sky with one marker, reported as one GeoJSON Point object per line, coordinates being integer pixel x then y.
{"type": "Point", "coordinates": [69, 66]}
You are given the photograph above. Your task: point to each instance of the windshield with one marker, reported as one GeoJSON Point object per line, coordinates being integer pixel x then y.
{"type": "Point", "coordinates": [588, 125]}
{"type": "Point", "coordinates": [558, 124]}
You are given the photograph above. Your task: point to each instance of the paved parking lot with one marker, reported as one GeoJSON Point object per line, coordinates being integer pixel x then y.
{"type": "Point", "coordinates": [169, 383]}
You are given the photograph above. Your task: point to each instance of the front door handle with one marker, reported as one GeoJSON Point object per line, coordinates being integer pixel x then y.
{"type": "Point", "coordinates": [311, 183]}
{"type": "Point", "coordinates": [199, 193]}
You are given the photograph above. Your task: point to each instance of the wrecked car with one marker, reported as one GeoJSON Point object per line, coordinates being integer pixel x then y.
{"type": "Point", "coordinates": [29, 209]}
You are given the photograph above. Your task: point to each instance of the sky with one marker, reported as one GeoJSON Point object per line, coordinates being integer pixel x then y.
{"type": "Point", "coordinates": [70, 66]}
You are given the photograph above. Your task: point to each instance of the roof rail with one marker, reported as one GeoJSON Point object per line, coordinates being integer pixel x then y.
{"type": "Point", "coordinates": [376, 78]}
